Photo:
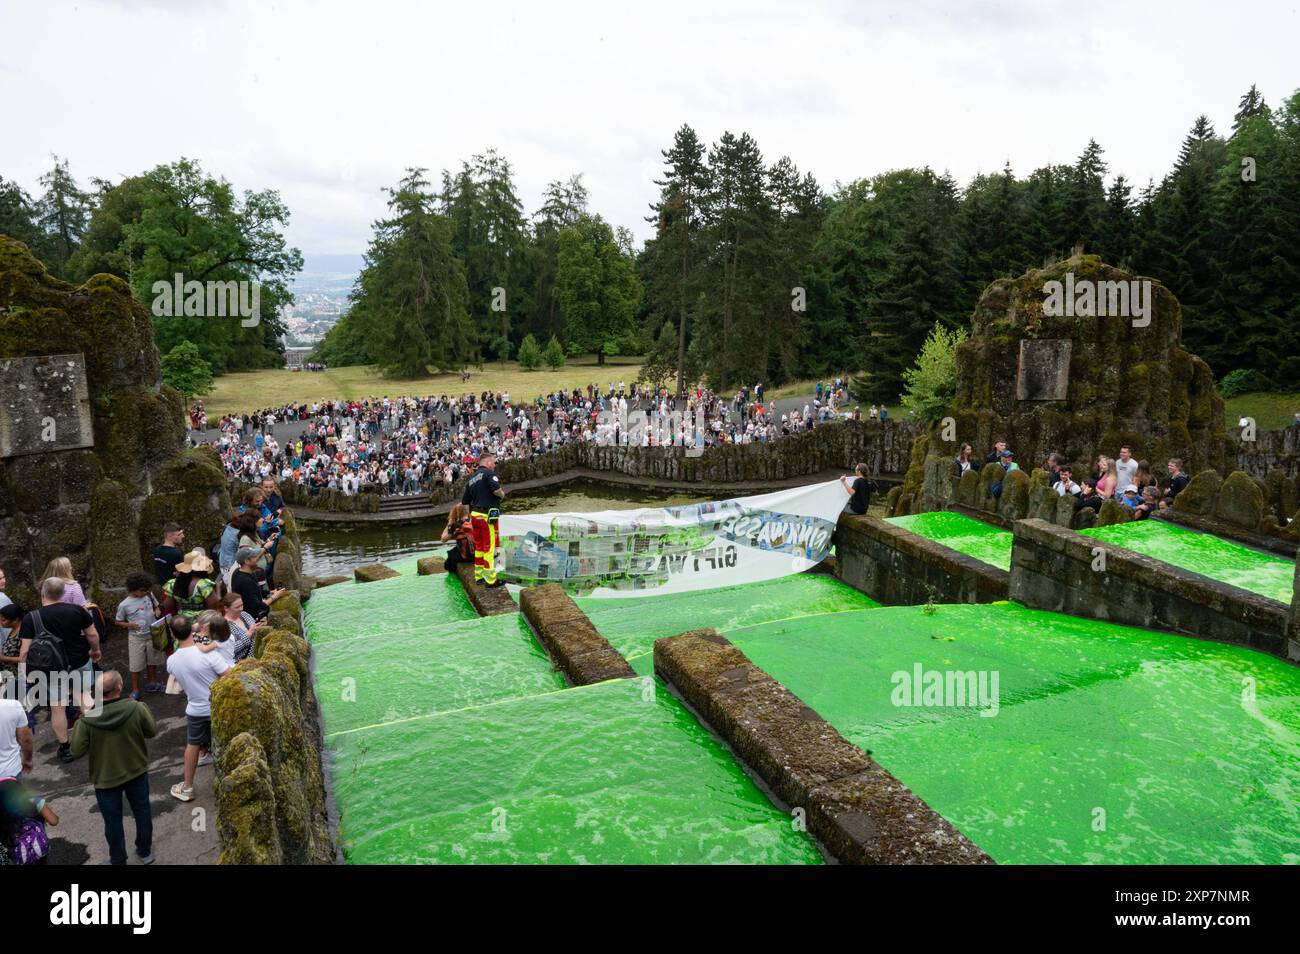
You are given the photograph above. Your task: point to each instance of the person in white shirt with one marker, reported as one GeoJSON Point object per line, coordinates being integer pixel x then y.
{"type": "Point", "coordinates": [15, 739]}
{"type": "Point", "coordinates": [1065, 486]}
{"type": "Point", "coordinates": [196, 671]}
{"type": "Point", "coordinates": [1126, 467]}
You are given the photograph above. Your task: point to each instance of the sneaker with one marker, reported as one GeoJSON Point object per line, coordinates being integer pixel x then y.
{"type": "Point", "coordinates": [65, 754]}
{"type": "Point", "coordinates": [205, 758]}
{"type": "Point", "coordinates": [181, 793]}
{"type": "Point", "coordinates": [154, 687]}
{"type": "Point", "coordinates": [145, 859]}
{"type": "Point", "coordinates": [135, 694]}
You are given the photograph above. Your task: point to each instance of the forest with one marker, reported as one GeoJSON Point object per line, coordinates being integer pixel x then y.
{"type": "Point", "coordinates": [754, 270]}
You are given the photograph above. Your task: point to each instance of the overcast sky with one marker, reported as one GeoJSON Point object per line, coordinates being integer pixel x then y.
{"type": "Point", "coordinates": [329, 101]}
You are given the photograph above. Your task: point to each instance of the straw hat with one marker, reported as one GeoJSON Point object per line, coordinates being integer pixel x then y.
{"type": "Point", "coordinates": [196, 559]}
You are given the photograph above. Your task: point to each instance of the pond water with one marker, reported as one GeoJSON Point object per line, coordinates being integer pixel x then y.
{"type": "Point", "coordinates": [330, 549]}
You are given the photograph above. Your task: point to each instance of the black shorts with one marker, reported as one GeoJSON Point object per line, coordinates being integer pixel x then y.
{"type": "Point", "coordinates": [198, 731]}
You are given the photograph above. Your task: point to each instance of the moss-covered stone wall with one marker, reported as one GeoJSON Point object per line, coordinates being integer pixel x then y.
{"type": "Point", "coordinates": [271, 803]}
{"type": "Point", "coordinates": [1126, 385]}
{"type": "Point", "coordinates": [86, 504]}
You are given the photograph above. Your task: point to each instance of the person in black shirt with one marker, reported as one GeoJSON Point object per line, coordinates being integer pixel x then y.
{"type": "Point", "coordinates": [244, 582]}
{"type": "Point", "coordinates": [860, 490]}
{"type": "Point", "coordinates": [996, 456]}
{"type": "Point", "coordinates": [1177, 481]}
{"type": "Point", "coordinates": [482, 494]}
{"type": "Point", "coordinates": [76, 629]}
{"type": "Point", "coordinates": [168, 553]}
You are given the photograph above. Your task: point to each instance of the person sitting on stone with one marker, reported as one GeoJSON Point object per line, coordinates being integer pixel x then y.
{"type": "Point", "coordinates": [1088, 496]}
{"type": "Point", "coordinates": [1106, 477]}
{"type": "Point", "coordinates": [1144, 477]}
{"type": "Point", "coordinates": [1130, 497]}
{"type": "Point", "coordinates": [1149, 504]}
{"type": "Point", "coordinates": [1177, 481]}
{"type": "Point", "coordinates": [1053, 467]}
{"type": "Point", "coordinates": [1065, 486]}
{"type": "Point", "coordinates": [964, 462]}
{"type": "Point", "coordinates": [1008, 462]}
{"type": "Point", "coordinates": [860, 490]}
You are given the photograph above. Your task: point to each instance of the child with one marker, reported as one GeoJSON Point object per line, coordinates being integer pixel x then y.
{"type": "Point", "coordinates": [139, 611]}
{"type": "Point", "coordinates": [22, 825]}
{"type": "Point", "coordinates": [212, 634]}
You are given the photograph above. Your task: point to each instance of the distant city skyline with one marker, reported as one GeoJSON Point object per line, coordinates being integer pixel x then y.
{"type": "Point", "coordinates": [329, 102]}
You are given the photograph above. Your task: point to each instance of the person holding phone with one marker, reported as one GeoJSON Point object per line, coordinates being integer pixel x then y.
{"type": "Point", "coordinates": [244, 582]}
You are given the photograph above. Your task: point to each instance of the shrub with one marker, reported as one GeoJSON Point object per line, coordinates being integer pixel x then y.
{"type": "Point", "coordinates": [931, 383]}
{"type": "Point", "coordinates": [530, 355]}
{"type": "Point", "coordinates": [554, 354]}
{"type": "Point", "coordinates": [1242, 381]}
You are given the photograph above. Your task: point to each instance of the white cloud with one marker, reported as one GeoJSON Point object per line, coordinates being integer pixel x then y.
{"type": "Point", "coordinates": [328, 102]}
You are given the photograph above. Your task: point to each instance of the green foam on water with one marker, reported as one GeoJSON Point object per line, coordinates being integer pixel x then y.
{"type": "Point", "coordinates": [1219, 559]}
{"type": "Point", "coordinates": [633, 624]}
{"type": "Point", "coordinates": [975, 538]}
{"type": "Point", "coordinates": [346, 611]}
{"type": "Point", "coordinates": [417, 667]}
{"type": "Point", "coordinates": [1110, 744]}
{"type": "Point", "coordinates": [618, 772]}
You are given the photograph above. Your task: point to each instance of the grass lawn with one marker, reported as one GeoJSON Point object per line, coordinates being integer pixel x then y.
{"type": "Point", "coordinates": [251, 390]}
{"type": "Point", "coordinates": [1270, 411]}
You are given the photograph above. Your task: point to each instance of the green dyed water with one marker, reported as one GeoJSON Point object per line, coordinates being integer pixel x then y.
{"type": "Point", "coordinates": [632, 625]}
{"type": "Point", "coordinates": [1219, 559]}
{"type": "Point", "coordinates": [423, 668]}
{"type": "Point", "coordinates": [452, 740]}
{"type": "Point", "coordinates": [975, 538]}
{"type": "Point", "coordinates": [617, 772]}
{"type": "Point", "coordinates": [1183, 751]}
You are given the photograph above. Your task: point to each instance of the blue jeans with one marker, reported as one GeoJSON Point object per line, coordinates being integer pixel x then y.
{"type": "Point", "coordinates": [110, 806]}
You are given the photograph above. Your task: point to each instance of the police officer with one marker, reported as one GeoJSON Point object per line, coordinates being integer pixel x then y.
{"type": "Point", "coordinates": [482, 494]}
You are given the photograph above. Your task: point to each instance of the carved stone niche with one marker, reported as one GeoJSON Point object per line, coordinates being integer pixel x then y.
{"type": "Point", "coordinates": [44, 405]}
{"type": "Point", "coordinates": [1044, 371]}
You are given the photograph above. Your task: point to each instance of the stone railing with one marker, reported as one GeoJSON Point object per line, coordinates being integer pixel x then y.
{"type": "Point", "coordinates": [884, 448]}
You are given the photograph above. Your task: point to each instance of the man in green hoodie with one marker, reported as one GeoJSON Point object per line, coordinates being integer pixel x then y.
{"type": "Point", "coordinates": [116, 738]}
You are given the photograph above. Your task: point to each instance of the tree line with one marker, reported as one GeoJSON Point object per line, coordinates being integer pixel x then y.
{"type": "Point", "coordinates": [173, 219]}
{"type": "Point", "coordinates": [753, 272]}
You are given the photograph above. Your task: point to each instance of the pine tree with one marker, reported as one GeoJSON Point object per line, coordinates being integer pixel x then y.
{"type": "Point", "coordinates": [62, 212]}
{"type": "Point", "coordinates": [1086, 207]}
{"type": "Point", "coordinates": [1117, 241]}
{"type": "Point", "coordinates": [1251, 104]}
{"type": "Point", "coordinates": [412, 296]}
{"type": "Point", "coordinates": [671, 266]}
{"type": "Point", "coordinates": [488, 235]}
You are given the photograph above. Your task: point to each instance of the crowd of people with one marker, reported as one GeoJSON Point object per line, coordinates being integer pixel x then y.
{"type": "Point", "coordinates": [185, 626]}
{"type": "Point", "coordinates": [1122, 478]}
{"type": "Point", "coordinates": [412, 445]}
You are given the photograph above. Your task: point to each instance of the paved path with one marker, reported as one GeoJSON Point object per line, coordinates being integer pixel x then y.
{"type": "Point", "coordinates": [183, 832]}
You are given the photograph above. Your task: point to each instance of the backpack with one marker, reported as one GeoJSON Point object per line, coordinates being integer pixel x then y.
{"type": "Point", "coordinates": [47, 652]}
{"type": "Point", "coordinates": [32, 844]}
{"type": "Point", "coordinates": [465, 540]}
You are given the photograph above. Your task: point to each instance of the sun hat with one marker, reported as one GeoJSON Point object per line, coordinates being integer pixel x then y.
{"type": "Point", "coordinates": [196, 559]}
{"type": "Point", "coordinates": [1131, 489]}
